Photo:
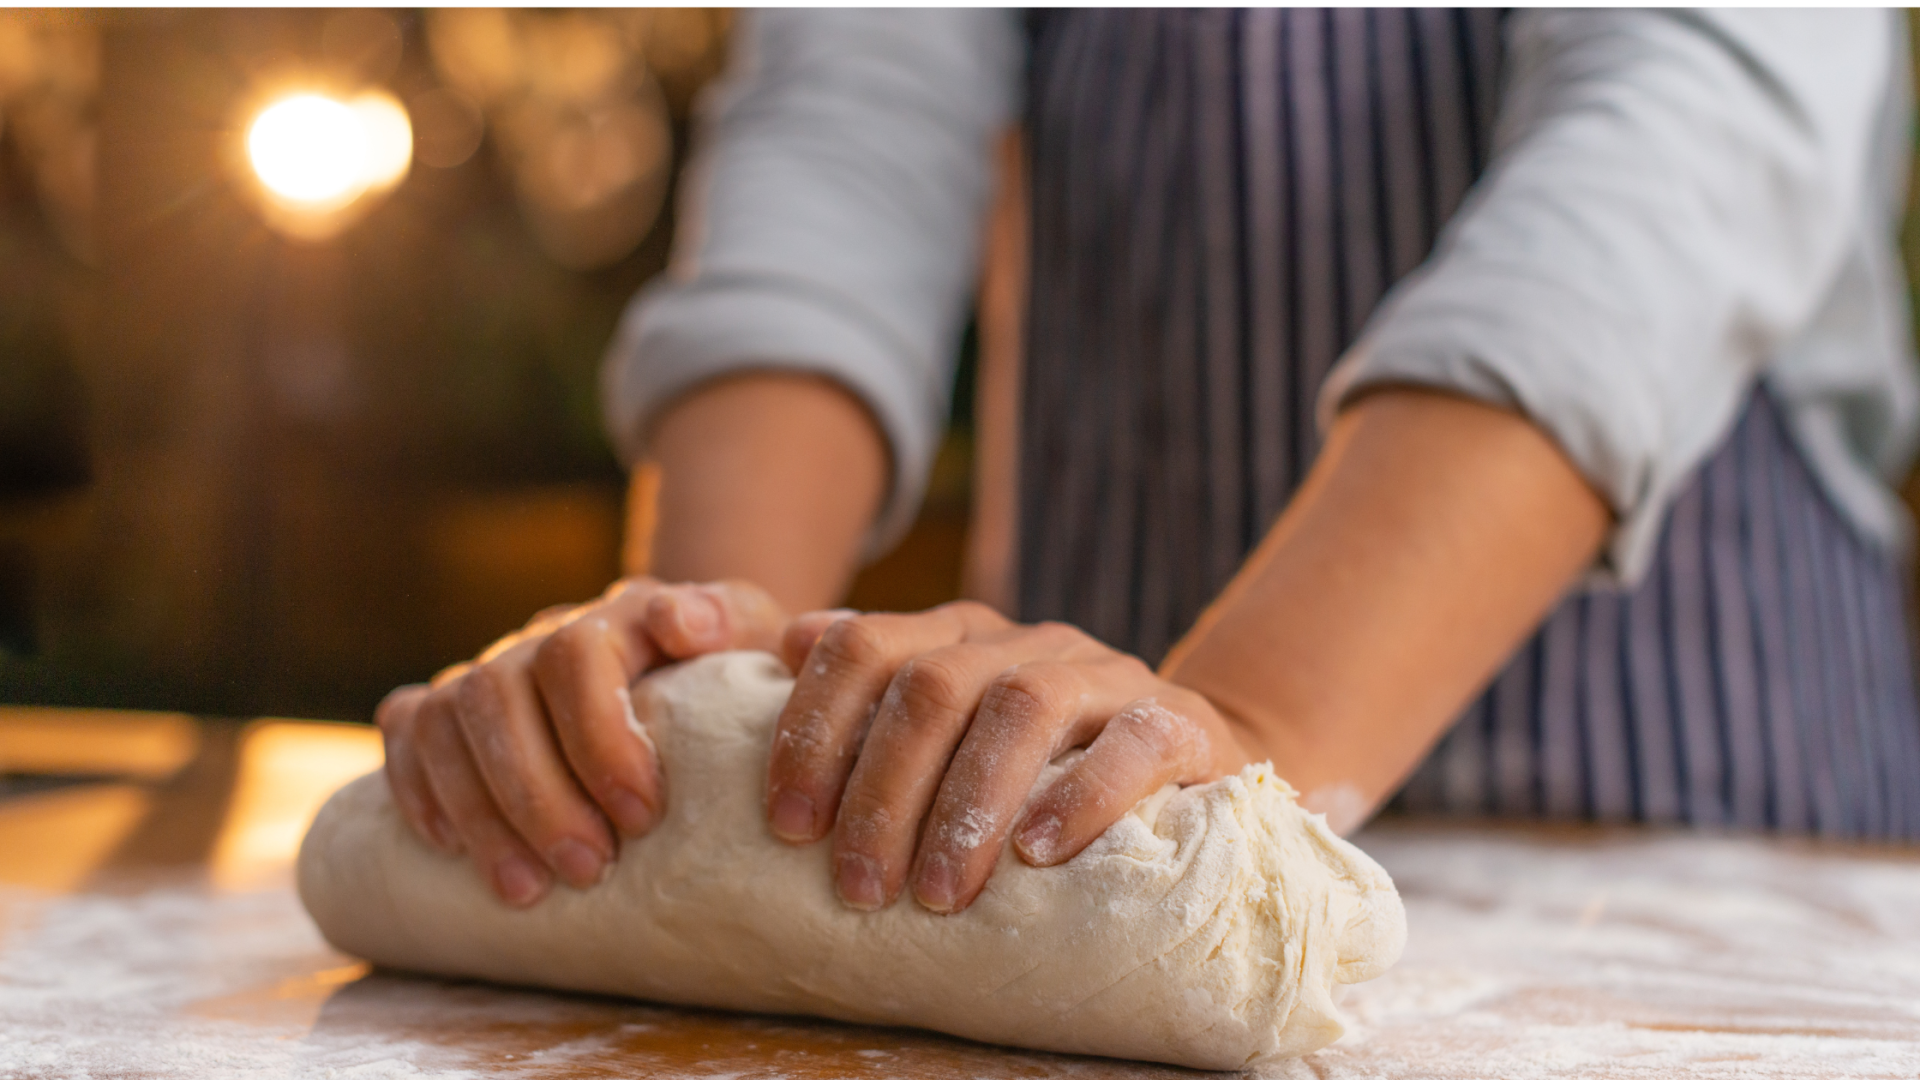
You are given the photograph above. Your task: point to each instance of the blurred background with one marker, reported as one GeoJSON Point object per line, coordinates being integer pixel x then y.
{"type": "Point", "coordinates": [301, 314]}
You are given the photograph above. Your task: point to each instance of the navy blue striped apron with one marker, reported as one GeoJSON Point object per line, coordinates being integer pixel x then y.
{"type": "Point", "coordinates": [1219, 199]}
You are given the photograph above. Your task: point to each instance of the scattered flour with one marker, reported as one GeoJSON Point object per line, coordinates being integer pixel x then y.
{"type": "Point", "coordinates": [1624, 954]}
{"type": "Point", "coordinates": [96, 985]}
{"type": "Point", "coordinates": [1532, 954]}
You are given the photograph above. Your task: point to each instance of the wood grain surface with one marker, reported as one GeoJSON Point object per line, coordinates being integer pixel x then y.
{"type": "Point", "coordinates": [148, 928]}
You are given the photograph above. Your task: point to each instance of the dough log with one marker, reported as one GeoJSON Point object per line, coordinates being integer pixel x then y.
{"type": "Point", "coordinates": [1206, 928]}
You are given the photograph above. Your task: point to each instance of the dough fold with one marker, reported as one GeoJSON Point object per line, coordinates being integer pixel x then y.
{"type": "Point", "coordinates": [1206, 928]}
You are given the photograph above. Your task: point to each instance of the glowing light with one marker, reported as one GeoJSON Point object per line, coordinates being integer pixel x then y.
{"type": "Point", "coordinates": [389, 138]}
{"type": "Point", "coordinates": [318, 154]}
{"type": "Point", "coordinates": [308, 149]}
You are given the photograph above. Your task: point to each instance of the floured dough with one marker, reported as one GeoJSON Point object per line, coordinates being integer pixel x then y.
{"type": "Point", "coordinates": [1206, 928]}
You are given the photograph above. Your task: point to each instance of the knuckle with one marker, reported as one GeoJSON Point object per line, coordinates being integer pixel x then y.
{"type": "Point", "coordinates": [570, 640]}
{"type": "Point", "coordinates": [475, 809]}
{"type": "Point", "coordinates": [928, 686]}
{"type": "Point", "coordinates": [536, 815]}
{"type": "Point", "coordinates": [562, 649]}
{"type": "Point", "coordinates": [802, 742]}
{"type": "Point", "coordinates": [480, 694]}
{"type": "Point", "coordinates": [448, 674]}
{"type": "Point", "coordinates": [1026, 694]}
{"type": "Point", "coordinates": [969, 610]}
{"type": "Point", "coordinates": [511, 649]}
{"type": "Point", "coordinates": [480, 708]}
{"type": "Point", "coordinates": [854, 642]}
{"type": "Point", "coordinates": [975, 617]}
{"type": "Point", "coordinates": [489, 836]}
{"type": "Point", "coordinates": [1095, 783]}
{"type": "Point", "coordinates": [434, 726]}
{"type": "Point", "coordinates": [552, 618]}
{"type": "Point", "coordinates": [1059, 634]}
{"type": "Point", "coordinates": [443, 781]}
{"type": "Point", "coordinates": [864, 820]}
{"type": "Point", "coordinates": [1159, 731]}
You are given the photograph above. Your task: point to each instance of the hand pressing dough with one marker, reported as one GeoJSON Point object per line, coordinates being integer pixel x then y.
{"type": "Point", "coordinates": [1206, 928]}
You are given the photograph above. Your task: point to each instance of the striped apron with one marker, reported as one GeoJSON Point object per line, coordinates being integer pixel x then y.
{"type": "Point", "coordinates": [1218, 201]}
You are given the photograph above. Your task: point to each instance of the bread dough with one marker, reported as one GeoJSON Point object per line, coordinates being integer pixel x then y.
{"type": "Point", "coordinates": [1206, 928]}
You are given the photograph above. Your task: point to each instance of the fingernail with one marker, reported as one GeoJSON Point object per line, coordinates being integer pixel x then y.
{"type": "Point", "coordinates": [939, 882]}
{"type": "Point", "coordinates": [697, 614]}
{"type": "Point", "coordinates": [793, 816]}
{"type": "Point", "coordinates": [1038, 839]}
{"type": "Point", "coordinates": [519, 881]}
{"type": "Point", "coordinates": [577, 863]}
{"type": "Point", "coordinates": [630, 812]}
{"type": "Point", "coordinates": [858, 880]}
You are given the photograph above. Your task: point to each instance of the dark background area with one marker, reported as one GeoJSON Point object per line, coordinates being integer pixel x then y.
{"type": "Point", "coordinates": [251, 475]}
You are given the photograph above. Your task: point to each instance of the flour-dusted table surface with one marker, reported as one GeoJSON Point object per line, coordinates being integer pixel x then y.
{"type": "Point", "coordinates": [148, 928]}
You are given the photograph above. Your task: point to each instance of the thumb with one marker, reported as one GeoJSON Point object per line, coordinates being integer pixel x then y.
{"type": "Point", "coordinates": [803, 633]}
{"type": "Point", "coordinates": [685, 621]}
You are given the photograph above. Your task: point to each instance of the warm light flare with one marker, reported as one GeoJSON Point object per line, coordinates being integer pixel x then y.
{"type": "Point", "coordinates": [308, 149]}
{"type": "Point", "coordinates": [317, 153]}
{"type": "Point", "coordinates": [389, 138]}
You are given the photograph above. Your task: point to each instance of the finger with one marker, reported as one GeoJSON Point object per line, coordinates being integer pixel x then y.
{"type": "Point", "coordinates": [1150, 743]}
{"type": "Point", "coordinates": [544, 621]}
{"type": "Point", "coordinates": [1026, 719]}
{"type": "Point", "coordinates": [833, 700]}
{"type": "Point", "coordinates": [548, 618]}
{"type": "Point", "coordinates": [583, 672]}
{"type": "Point", "coordinates": [406, 776]}
{"type": "Point", "coordinates": [504, 861]}
{"type": "Point", "coordinates": [506, 731]}
{"type": "Point", "coordinates": [803, 633]}
{"type": "Point", "coordinates": [693, 620]}
{"type": "Point", "coordinates": [923, 715]}
{"type": "Point", "coordinates": [623, 607]}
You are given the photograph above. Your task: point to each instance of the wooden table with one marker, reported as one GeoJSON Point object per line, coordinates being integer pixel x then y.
{"type": "Point", "coordinates": [148, 929]}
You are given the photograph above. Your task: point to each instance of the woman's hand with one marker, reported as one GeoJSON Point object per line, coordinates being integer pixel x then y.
{"type": "Point", "coordinates": [915, 739]}
{"type": "Point", "coordinates": [530, 757]}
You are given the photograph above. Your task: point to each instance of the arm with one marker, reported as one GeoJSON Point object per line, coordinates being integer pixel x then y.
{"type": "Point", "coordinates": [1669, 203]}
{"type": "Point", "coordinates": [831, 226]}
{"type": "Point", "coordinates": [1671, 198]}
{"type": "Point", "coordinates": [1430, 537]}
{"type": "Point", "coordinates": [769, 477]}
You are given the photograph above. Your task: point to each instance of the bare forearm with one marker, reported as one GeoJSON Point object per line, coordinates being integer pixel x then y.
{"type": "Point", "coordinates": [1427, 541]}
{"type": "Point", "coordinates": [770, 477]}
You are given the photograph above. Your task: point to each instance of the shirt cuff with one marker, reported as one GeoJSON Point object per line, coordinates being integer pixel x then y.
{"type": "Point", "coordinates": [1610, 438]}
{"type": "Point", "coordinates": [677, 335]}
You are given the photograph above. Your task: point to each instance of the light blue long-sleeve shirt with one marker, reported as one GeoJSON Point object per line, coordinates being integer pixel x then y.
{"type": "Point", "coordinates": [1677, 203]}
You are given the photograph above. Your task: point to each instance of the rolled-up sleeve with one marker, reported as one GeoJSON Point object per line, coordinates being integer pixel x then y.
{"type": "Point", "coordinates": [1670, 199]}
{"type": "Point", "coordinates": [830, 223]}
